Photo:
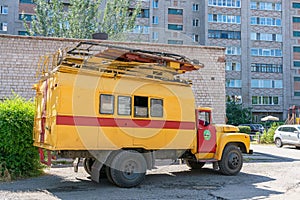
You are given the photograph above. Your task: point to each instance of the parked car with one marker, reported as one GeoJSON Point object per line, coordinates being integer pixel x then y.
{"type": "Point", "coordinates": [260, 127]}
{"type": "Point", "coordinates": [287, 135]}
{"type": "Point", "coordinates": [254, 128]}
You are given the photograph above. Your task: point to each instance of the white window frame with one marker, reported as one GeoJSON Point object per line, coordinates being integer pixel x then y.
{"type": "Point", "coordinates": [233, 50]}
{"type": "Point", "coordinates": [155, 36]}
{"type": "Point", "coordinates": [4, 10]}
{"type": "Point", "coordinates": [195, 22]}
{"type": "Point", "coordinates": [195, 37]}
{"type": "Point", "coordinates": [3, 26]}
{"type": "Point", "coordinates": [155, 4]}
{"type": "Point", "coordinates": [154, 19]}
{"type": "Point", "coordinates": [195, 7]}
{"type": "Point", "coordinates": [234, 83]}
{"type": "Point", "coordinates": [233, 66]}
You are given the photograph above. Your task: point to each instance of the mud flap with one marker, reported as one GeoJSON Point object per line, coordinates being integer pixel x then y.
{"type": "Point", "coordinates": [96, 167]}
{"type": "Point", "coordinates": [42, 157]}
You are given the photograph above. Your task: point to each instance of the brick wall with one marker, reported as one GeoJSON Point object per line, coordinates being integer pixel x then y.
{"type": "Point", "coordinates": [19, 56]}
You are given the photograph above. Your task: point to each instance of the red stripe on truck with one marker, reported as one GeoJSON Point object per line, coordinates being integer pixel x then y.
{"type": "Point", "coordinates": [121, 122]}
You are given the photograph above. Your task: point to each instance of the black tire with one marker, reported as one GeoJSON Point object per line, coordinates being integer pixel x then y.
{"type": "Point", "coordinates": [108, 166]}
{"type": "Point", "coordinates": [108, 174]}
{"type": "Point", "coordinates": [232, 161]}
{"type": "Point", "coordinates": [278, 143]}
{"type": "Point", "coordinates": [87, 164]}
{"type": "Point", "coordinates": [193, 164]}
{"type": "Point", "coordinates": [128, 169]}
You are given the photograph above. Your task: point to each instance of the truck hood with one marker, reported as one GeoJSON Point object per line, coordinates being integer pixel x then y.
{"type": "Point", "coordinates": [226, 128]}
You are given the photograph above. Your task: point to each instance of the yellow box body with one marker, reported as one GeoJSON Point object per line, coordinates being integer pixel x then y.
{"type": "Point", "coordinates": [68, 113]}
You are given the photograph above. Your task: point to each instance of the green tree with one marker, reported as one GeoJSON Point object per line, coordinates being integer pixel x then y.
{"type": "Point", "coordinates": [237, 114]}
{"type": "Point", "coordinates": [117, 19]}
{"type": "Point", "coordinates": [82, 18]}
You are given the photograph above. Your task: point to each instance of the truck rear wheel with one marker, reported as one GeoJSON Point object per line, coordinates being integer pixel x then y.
{"type": "Point", "coordinates": [232, 160]}
{"type": "Point", "coordinates": [128, 169]}
{"type": "Point", "coordinates": [87, 165]}
{"type": "Point", "coordinates": [194, 164]}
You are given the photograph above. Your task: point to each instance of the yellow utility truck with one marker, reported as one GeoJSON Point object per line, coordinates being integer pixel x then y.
{"type": "Point", "coordinates": [120, 109]}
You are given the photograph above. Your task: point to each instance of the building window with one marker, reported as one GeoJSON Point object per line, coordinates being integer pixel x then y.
{"type": "Point", "coordinates": [296, 5]}
{"type": "Point", "coordinates": [144, 13]}
{"type": "Point", "coordinates": [296, 49]}
{"type": "Point", "coordinates": [234, 83]}
{"type": "Point", "coordinates": [219, 18]}
{"type": "Point", "coordinates": [225, 3]}
{"type": "Point", "coordinates": [175, 27]}
{"type": "Point", "coordinates": [266, 52]}
{"type": "Point", "coordinates": [173, 11]}
{"type": "Point", "coordinates": [23, 33]}
{"type": "Point", "coordinates": [141, 29]}
{"type": "Point", "coordinates": [254, 5]}
{"type": "Point", "coordinates": [296, 63]}
{"type": "Point", "coordinates": [296, 33]}
{"type": "Point", "coordinates": [124, 105]}
{"type": "Point", "coordinates": [296, 19]}
{"type": "Point", "coordinates": [140, 106]}
{"type": "Point", "coordinates": [221, 34]}
{"type": "Point", "coordinates": [265, 100]}
{"type": "Point", "coordinates": [266, 21]}
{"type": "Point", "coordinates": [196, 38]}
{"type": "Point", "coordinates": [175, 42]}
{"type": "Point", "coordinates": [266, 37]}
{"type": "Point", "coordinates": [195, 7]}
{"type": "Point", "coordinates": [3, 26]}
{"type": "Point", "coordinates": [27, 1]}
{"type": "Point", "coordinates": [155, 4]}
{"type": "Point", "coordinates": [233, 51]}
{"type": "Point", "coordinates": [233, 66]}
{"type": "Point", "coordinates": [106, 104]}
{"type": "Point", "coordinates": [27, 17]}
{"type": "Point", "coordinates": [156, 107]}
{"type": "Point", "coordinates": [154, 35]}
{"type": "Point", "coordinates": [4, 10]}
{"type": "Point", "coordinates": [234, 98]}
{"type": "Point", "coordinates": [195, 22]}
{"type": "Point", "coordinates": [296, 87]}
{"type": "Point", "coordinates": [154, 19]}
{"type": "Point", "coordinates": [266, 83]}
{"type": "Point", "coordinates": [266, 68]}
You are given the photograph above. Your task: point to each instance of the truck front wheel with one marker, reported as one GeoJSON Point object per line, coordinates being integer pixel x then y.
{"type": "Point", "coordinates": [232, 160]}
{"type": "Point", "coordinates": [128, 169]}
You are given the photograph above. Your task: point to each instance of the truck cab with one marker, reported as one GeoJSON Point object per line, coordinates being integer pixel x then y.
{"type": "Point", "coordinates": [219, 144]}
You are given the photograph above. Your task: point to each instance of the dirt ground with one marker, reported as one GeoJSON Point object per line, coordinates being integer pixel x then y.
{"type": "Point", "coordinates": [270, 173]}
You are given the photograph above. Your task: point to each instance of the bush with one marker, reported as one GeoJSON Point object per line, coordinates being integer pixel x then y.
{"type": "Point", "coordinates": [18, 157]}
{"type": "Point", "coordinates": [267, 136]}
{"type": "Point", "coordinates": [245, 129]}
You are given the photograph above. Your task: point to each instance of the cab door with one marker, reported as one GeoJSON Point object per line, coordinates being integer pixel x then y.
{"type": "Point", "coordinates": [206, 133]}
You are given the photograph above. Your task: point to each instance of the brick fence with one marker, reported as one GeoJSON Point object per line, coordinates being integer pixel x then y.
{"type": "Point", "coordinates": [19, 56]}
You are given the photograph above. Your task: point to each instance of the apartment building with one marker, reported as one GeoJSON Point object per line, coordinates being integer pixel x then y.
{"type": "Point", "coordinates": [259, 35]}
{"type": "Point", "coordinates": [11, 14]}
{"type": "Point", "coordinates": [262, 40]}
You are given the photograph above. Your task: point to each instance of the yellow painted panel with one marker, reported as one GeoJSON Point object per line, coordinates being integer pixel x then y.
{"type": "Point", "coordinates": [76, 138]}
{"type": "Point", "coordinates": [204, 156]}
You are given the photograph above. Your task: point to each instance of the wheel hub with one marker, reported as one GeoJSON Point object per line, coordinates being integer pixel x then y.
{"type": "Point", "coordinates": [130, 170]}
{"type": "Point", "coordinates": [233, 161]}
